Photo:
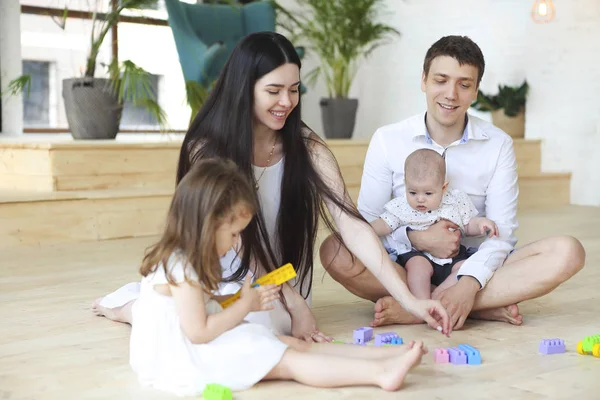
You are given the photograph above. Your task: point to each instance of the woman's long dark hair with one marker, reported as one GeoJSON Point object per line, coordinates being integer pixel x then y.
{"type": "Point", "coordinates": [223, 128]}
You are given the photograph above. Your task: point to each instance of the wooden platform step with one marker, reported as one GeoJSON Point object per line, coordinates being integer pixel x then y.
{"type": "Point", "coordinates": [48, 218]}
{"type": "Point", "coordinates": [101, 165]}
{"type": "Point", "coordinates": [535, 191]}
{"type": "Point", "coordinates": [95, 190]}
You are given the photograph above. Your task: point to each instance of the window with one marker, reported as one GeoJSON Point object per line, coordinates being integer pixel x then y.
{"type": "Point", "coordinates": [138, 117]}
{"type": "Point", "coordinates": [36, 105]}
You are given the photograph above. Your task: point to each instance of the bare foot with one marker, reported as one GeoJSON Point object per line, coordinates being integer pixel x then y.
{"type": "Point", "coordinates": [508, 314]}
{"type": "Point", "coordinates": [395, 369]}
{"type": "Point", "coordinates": [118, 314]}
{"type": "Point", "coordinates": [388, 312]}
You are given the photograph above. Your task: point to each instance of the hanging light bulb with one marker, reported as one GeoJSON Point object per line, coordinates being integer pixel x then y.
{"type": "Point", "coordinates": [543, 11]}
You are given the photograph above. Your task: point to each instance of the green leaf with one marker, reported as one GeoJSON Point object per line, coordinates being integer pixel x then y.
{"type": "Point", "coordinates": [17, 86]}
{"type": "Point", "coordinates": [341, 33]}
{"type": "Point", "coordinates": [511, 99]}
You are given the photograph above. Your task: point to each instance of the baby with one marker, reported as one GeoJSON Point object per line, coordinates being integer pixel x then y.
{"type": "Point", "coordinates": [427, 201]}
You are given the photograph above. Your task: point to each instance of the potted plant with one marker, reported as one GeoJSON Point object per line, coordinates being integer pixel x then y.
{"type": "Point", "coordinates": [342, 33]}
{"type": "Point", "coordinates": [94, 105]}
{"type": "Point", "coordinates": [507, 108]}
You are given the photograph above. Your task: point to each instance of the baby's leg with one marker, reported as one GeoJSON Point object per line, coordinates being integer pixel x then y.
{"type": "Point", "coordinates": [117, 314]}
{"type": "Point", "coordinates": [349, 350]}
{"type": "Point", "coordinates": [449, 281]}
{"type": "Point", "coordinates": [323, 370]}
{"type": "Point", "coordinates": [418, 274]}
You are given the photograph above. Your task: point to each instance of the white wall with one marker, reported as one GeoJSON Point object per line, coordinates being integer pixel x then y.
{"type": "Point", "coordinates": [10, 67]}
{"type": "Point", "coordinates": [560, 60]}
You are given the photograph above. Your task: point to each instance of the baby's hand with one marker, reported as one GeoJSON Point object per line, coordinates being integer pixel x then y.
{"type": "Point", "coordinates": [259, 298]}
{"type": "Point", "coordinates": [488, 227]}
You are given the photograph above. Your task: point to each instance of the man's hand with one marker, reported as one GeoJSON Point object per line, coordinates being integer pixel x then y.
{"type": "Point", "coordinates": [438, 240]}
{"type": "Point", "coordinates": [458, 300]}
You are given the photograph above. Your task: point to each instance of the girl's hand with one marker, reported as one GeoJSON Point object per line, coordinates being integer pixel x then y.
{"type": "Point", "coordinates": [259, 298]}
{"type": "Point", "coordinates": [433, 313]}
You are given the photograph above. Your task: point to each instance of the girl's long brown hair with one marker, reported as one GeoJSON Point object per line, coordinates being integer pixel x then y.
{"type": "Point", "coordinates": [204, 198]}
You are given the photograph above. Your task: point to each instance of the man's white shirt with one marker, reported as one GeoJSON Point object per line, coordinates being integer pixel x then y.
{"type": "Point", "coordinates": [481, 164]}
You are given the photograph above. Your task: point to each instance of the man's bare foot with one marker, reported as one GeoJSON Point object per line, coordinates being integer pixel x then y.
{"type": "Point", "coordinates": [395, 369]}
{"type": "Point", "coordinates": [118, 314]}
{"type": "Point", "coordinates": [388, 312]}
{"type": "Point", "coordinates": [508, 314]}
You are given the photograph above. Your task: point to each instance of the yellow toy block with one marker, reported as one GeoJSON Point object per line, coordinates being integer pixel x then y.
{"type": "Point", "coordinates": [596, 350]}
{"type": "Point", "coordinates": [277, 277]}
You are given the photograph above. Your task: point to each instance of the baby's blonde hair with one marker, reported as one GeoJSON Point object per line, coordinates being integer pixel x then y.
{"type": "Point", "coordinates": [425, 164]}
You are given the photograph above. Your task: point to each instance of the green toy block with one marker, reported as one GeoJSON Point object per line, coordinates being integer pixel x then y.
{"type": "Point", "coordinates": [589, 342]}
{"type": "Point", "coordinates": [337, 342]}
{"type": "Point", "coordinates": [213, 391]}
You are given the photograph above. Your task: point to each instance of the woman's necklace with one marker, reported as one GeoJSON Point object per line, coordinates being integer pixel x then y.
{"type": "Point", "coordinates": [256, 186]}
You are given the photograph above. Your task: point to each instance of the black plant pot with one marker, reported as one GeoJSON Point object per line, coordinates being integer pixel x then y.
{"type": "Point", "coordinates": [92, 108]}
{"type": "Point", "coordinates": [338, 116]}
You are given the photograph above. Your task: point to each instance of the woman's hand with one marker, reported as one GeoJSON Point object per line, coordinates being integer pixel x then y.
{"type": "Point", "coordinates": [432, 312]}
{"type": "Point", "coordinates": [259, 298]}
{"type": "Point", "coordinates": [304, 325]}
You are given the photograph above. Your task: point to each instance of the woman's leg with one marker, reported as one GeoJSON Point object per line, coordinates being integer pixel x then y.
{"type": "Point", "coordinates": [117, 314]}
{"type": "Point", "coordinates": [324, 370]}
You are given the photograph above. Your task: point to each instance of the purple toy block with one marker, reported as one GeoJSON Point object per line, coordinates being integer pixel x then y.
{"type": "Point", "coordinates": [457, 356]}
{"type": "Point", "coordinates": [552, 346]}
{"type": "Point", "coordinates": [363, 335]}
{"type": "Point", "coordinates": [386, 338]}
{"type": "Point", "coordinates": [441, 356]}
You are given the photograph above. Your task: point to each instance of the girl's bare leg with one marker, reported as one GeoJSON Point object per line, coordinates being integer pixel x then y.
{"type": "Point", "coordinates": [349, 350]}
{"type": "Point", "coordinates": [325, 370]}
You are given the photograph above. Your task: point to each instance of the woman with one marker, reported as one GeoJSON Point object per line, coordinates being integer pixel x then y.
{"type": "Point", "coordinates": [252, 117]}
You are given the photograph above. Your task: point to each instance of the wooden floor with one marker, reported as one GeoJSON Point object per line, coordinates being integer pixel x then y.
{"type": "Point", "coordinates": [52, 347]}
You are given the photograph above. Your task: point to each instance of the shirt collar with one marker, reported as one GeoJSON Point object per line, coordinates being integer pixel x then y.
{"type": "Point", "coordinates": [470, 132]}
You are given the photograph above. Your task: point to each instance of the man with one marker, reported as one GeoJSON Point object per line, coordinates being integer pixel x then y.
{"type": "Point", "coordinates": [480, 161]}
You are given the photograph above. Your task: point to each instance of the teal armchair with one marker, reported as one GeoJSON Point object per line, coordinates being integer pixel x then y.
{"type": "Point", "coordinates": [205, 34]}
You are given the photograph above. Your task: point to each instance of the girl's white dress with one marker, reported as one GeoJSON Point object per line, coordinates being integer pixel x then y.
{"type": "Point", "coordinates": [163, 357]}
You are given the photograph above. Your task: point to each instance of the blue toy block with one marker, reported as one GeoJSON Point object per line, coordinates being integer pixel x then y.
{"type": "Point", "coordinates": [457, 356]}
{"type": "Point", "coordinates": [363, 335]}
{"type": "Point", "coordinates": [473, 355]}
{"type": "Point", "coordinates": [387, 338]}
{"type": "Point", "coordinates": [552, 346]}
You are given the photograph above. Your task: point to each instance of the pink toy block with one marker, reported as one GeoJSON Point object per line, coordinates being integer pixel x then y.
{"type": "Point", "coordinates": [385, 338]}
{"type": "Point", "coordinates": [441, 356]}
{"type": "Point", "coordinates": [457, 356]}
{"type": "Point", "coordinates": [552, 346]}
{"type": "Point", "coordinates": [363, 335]}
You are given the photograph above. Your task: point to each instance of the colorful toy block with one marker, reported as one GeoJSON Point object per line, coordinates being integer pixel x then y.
{"type": "Point", "coordinates": [363, 335]}
{"type": "Point", "coordinates": [441, 356]}
{"type": "Point", "coordinates": [552, 346]}
{"type": "Point", "coordinates": [213, 391]}
{"type": "Point", "coordinates": [587, 344]}
{"type": "Point", "coordinates": [277, 277]}
{"type": "Point", "coordinates": [473, 355]}
{"type": "Point", "coordinates": [457, 356]}
{"type": "Point", "coordinates": [387, 338]}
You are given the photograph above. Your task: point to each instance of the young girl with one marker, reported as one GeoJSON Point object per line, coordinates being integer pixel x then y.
{"type": "Point", "coordinates": [182, 339]}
